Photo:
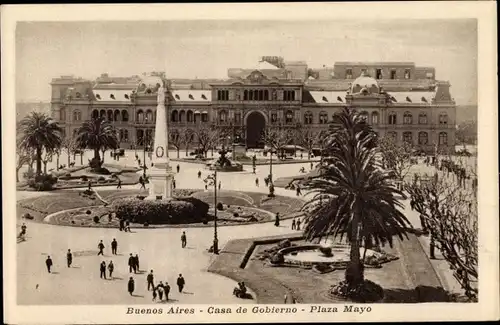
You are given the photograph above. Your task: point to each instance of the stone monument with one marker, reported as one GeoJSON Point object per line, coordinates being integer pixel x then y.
{"type": "Point", "coordinates": [160, 174]}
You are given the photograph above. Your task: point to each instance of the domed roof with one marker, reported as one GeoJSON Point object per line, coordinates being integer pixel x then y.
{"type": "Point", "coordinates": [364, 82]}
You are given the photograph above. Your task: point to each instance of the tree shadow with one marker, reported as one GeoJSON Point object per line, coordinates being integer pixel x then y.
{"type": "Point", "coordinates": [137, 296]}
{"type": "Point", "coordinates": [417, 295]}
{"type": "Point", "coordinates": [75, 267]}
{"type": "Point", "coordinates": [54, 272]}
{"type": "Point", "coordinates": [187, 293]}
{"type": "Point", "coordinates": [167, 301]}
{"type": "Point", "coordinates": [116, 278]}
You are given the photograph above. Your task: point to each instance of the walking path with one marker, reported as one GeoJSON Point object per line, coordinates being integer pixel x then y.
{"type": "Point", "coordinates": [158, 249]}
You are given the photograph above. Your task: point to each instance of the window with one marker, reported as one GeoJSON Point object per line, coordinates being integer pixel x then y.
{"type": "Point", "coordinates": [174, 116]}
{"type": "Point", "coordinates": [392, 118]}
{"type": "Point", "coordinates": [189, 116]}
{"type": "Point", "coordinates": [443, 138]}
{"type": "Point", "coordinates": [393, 73]}
{"type": "Point", "coordinates": [407, 74]}
{"type": "Point", "coordinates": [197, 117]}
{"type": "Point", "coordinates": [102, 114]}
{"type": "Point", "coordinates": [407, 137]}
{"type": "Point", "coordinates": [204, 117]}
{"type": "Point", "coordinates": [288, 95]}
{"type": "Point", "coordinates": [149, 116]}
{"type": "Point", "coordinates": [223, 94]}
{"type": "Point", "coordinates": [222, 116]}
{"type": "Point", "coordinates": [110, 115]}
{"type": "Point", "coordinates": [139, 135]}
{"type": "Point", "coordinates": [274, 117]}
{"type": "Point", "coordinates": [140, 116]}
{"type": "Point", "coordinates": [393, 136]}
{"type": "Point", "coordinates": [95, 114]}
{"type": "Point", "coordinates": [266, 94]}
{"type": "Point", "coordinates": [77, 116]}
{"type": "Point", "coordinates": [289, 117]}
{"type": "Point", "coordinates": [429, 75]}
{"type": "Point", "coordinates": [423, 138]}
{"type": "Point", "coordinates": [182, 116]}
{"type": "Point", "coordinates": [374, 118]}
{"type": "Point", "coordinates": [125, 135]}
{"type": "Point", "coordinates": [120, 135]}
{"type": "Point", "coordinates": [407, 118]}
{"type": "Point", "coordinates": [245, 95]}
{"type": "Point", "coordinates": [443, 118]}
{"type": "Point", "coordinates": [348, 73]}
{"type": "Point", "coordinates": [323, 118]}
{"type": "Point", "coordinates": [364, 116]}
{"type": "Point", "coordinates": [117, 115]}
{"type": "Point", "coordinates": [378, 73]}
{"type": "Point", "coordinates": [308, 118]}
{"type": "Point", "coordinates": [237, 118]}
{"type": "Point", "coordinates": [422, 118]}
{"type": "Point", "coordinates": [363, 71]}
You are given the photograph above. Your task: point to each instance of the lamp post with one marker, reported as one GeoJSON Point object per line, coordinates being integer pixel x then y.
{"type": "Point", "coordinates": [212, 180]}
{"type": "Point", "coordinates": [145, 143]}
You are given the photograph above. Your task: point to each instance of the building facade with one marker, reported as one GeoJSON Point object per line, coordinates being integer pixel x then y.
{"type": "Point", "coordinates": [398, 99]}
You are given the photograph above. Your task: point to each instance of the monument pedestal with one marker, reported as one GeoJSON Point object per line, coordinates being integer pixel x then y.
{"type": "Point", "coordinates": [160, 180]}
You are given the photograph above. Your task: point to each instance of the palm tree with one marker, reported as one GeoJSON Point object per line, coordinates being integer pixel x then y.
{"type": "Point", "coordinates": [97, 134]}
{"type": "Point", "coordinates": [39, 132]}
{"type": "Point", "coordinates": [353, 196]}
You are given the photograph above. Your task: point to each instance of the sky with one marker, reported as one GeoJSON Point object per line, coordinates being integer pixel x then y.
{"type": "Point", "coordinates": [207, 48]}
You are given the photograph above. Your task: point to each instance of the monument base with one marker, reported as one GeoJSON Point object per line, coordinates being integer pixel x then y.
{"type": "Point", "coordinates": [160, 181]}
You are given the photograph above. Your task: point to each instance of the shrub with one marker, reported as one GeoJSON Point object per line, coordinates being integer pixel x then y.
{"type": "Point", "coordinates": [146, 224]}
{"type": "Point", "coordinates": [88, 212]}
{"type": "Point", "coordinates": [236, 215]}
{"type": "Point", "coordinates": [42, 182]}
{"type": "Point", "coordinates": [101, 179]}
{"type": "Point", "coordinates": [84, 178]}
{"type": "Point", "coordinates": [29, 174]}
{"type": "Point", "coordinates": [277, 259]}
{"type": "Point", "coordinates": [96, 219]}
{"type": "Point", "coordinates": [326, 251]}
{"type": "Point", "coordinates": [174, 211]}
{"type": "Point", "coordinates": [219, 206]}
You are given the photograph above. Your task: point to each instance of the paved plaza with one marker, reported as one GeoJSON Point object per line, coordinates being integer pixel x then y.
{"type": "Point", "coordinates": [158, 249]}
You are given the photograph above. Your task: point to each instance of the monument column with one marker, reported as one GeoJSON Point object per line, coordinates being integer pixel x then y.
{"type": "Point", "coordinates": [161, 175]}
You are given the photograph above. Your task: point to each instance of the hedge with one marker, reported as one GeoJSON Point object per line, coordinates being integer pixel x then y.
{"type": "Point", "coordinates": [173, 211]}
{"type": "Point", "coordinates": [44, 182]}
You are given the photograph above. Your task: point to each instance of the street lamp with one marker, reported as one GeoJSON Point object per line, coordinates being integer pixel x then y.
{"type": "Point", "coordinates": [145, 142]}
{"type": "Point", "coordinates": [212, 180]}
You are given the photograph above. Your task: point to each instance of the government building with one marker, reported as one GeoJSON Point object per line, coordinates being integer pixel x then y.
{"type": "Point", "coordinates": [399, 100]}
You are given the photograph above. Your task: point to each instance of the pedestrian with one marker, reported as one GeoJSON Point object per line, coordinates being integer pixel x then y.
{"type": "Point", "coordinates": [220, 184]}
{"type": "Point", "coordinates": [101, 248]}
{"type": "Point", "coordinates": [142, 182]}
{"type": "Point", "coordinates": [257, 182]}
{"type": "Point", "coordinates": [166, 288]}
{"type": "Point", "coordinates": [122, 223]}
{"type": "Point", "coordinates": [311, 165]}
{"type": "Point", "coordinates": [131, 263]}
{"type": "Point", "coordinates": [119, 183]}
{"type": "Point", "coordinates": [181, 282]}
{"type": "Point", "coordinates": [183, 239]}
{"type": "Point", "coordinates": [412, 204]}
{"type": "Point", "coordinates": [206, 186]}
{"type": "Point", "coordinates": [298, 223]}
{"type": "Point", "coordinates": [110, 217]}
{"type": "Point", "coordinates": [48, 262]}
{"type": "Point", "coordinates": [137, 262]}
{"type": "Point", "coordinates": [103, 270]}
{"type": "Point", "coordinates": [90, 185]}
{"type": "Point", "coordinates": [127, 225]}
{"type": "Point", "coordinates": [266, 181]}
{"type": "Point", "coordinates": [154, 294]}
{"type": "Point", "coordinates": [173, 184]}
{"type": "Point", "coordinates": [160, 291]}
{"type": "Point", "coordinates": [298, 190]}
{"type": "Point", "coordinates": [114, 246]}
{"type": "Point", "coordinates": [131, 285]}
{"type": "Point", "coordinates": [178, 168]}
{"type": "Point", "coordinates": [277, 220]}
{"type": "Point", "coordinates": [199, 174]}
{"type": "Point", "coordinates": [150, 279]}
{"type": "Point", "coordinates": [423, 224]}
{"type": "Point", "coordinates": [69, 258]}
{"type": "Point", "coordinates": [293, 224]}
{"type": "Point", "coordinates": [23, 229]}
{"type": "Point", "coordinates": [432, 246]}
{"type": "Point", "coordinates": [111, 268]}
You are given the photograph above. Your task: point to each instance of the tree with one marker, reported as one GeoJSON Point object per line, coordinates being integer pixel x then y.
{"type": "Point", "coordinates": [97, 134]}
{"type": "Point", "coordinates": [207, 138]}
{"type": "Point", "coordinates": [396, 157]}
{"type": "Point", "coordinates": [23, 157]}
{"type": "Point", "coordinates": [276, 140]}
{"type": "Point", "coordinates": [70, 144]}
{"type": "Point", "coordinates": [353, 197]}
{"type": "Point", "coordinates": [466, 133]}
{"type": "Point", "coordinates": [46, 158]}
{"type": "Point", "coordinates": [187, 139]}
{"type": "Point", "coordinates": [39, 132]}
{"type": "Point", "coordinates": [309, 138]}
{"type": "Point", "coordinates": [450, 212]}
{"type": "Point", "coordinates": [176, 141]}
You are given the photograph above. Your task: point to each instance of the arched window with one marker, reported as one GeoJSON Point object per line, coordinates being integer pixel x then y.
{"type": "Point", "coordinates": [182, 116]}
{"type": "Point", "coordinates": [308, 118]}
{"type": "Point", "coordinates": [204, 117]}
{"type": "Point", "coordinates": [443, 138]}
{"type": "Point", "coordinates": [392, 118]}
{"type": "Point", "coordinates": [117, 115]}
{"type": "Point", "coordinates": [140, 116]}
{"type": "Point", "coordinates": [149, 116]}
{"type": "Point", "coordinates": [189, 116]}
{"type": "Point", "coordinates": [95, 114]}
{"type": "Point", "coordinates": [266, 94]}
{"type": "Point", "coordinates": [125, 135]}
{"type": "Point", "coordinates": [124, 116]}
{"type": "Point", "coordinates": [222, 116]}
{"type": "Point", "coordinates": [323, 118]}
{"type": "Point", "coordinates": [407, 137]}
{"type": "Point", "coordinates": [443, 118]}
{"type": "Point", "coordinates": [197, 117]}
{"type": "Point", "coordinates": [77, 115]}
{"type": "Point", "coordinates": [140, 137]}
{"type": "Point", "coordinates": [110, 115]}
{"type": "Point", "coordinates": [423, 138]}
{"type": "Point", "coordinates": [375, 118]}
{"type": "Point", "coordinates": [149, 137]}
{"type": "Point", "coordinates": [274, 117]}
{"type": "Point", "coordinates": [250, 95]}
{"type": "Point", "coordinates": [121, 135]}
{"type": "Point", "coordinates": [289, 117]}
{"type": "Point", "coordinates": [422, 118]}
{"type": "Point", "coordinates": [174, 116]}
{"type": "Point", "coordinates": [102, 114]}
{"type": "Point", "coordinates": [407, 118]}
{"type": "Point", "coordinates": [364, 116]}
{"type": "Point", "coordinates": [245, 95]}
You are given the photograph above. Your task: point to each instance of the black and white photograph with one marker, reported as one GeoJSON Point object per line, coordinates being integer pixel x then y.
{"type": "Point", "coordinates": [209, 167]}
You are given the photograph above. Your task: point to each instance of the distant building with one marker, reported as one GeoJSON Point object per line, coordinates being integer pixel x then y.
{"type": "Point", "coordinates": [398, 99]}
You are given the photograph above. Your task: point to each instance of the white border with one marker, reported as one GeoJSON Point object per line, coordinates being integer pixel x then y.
{"type": "Point", "coordinates": [485, 12]}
